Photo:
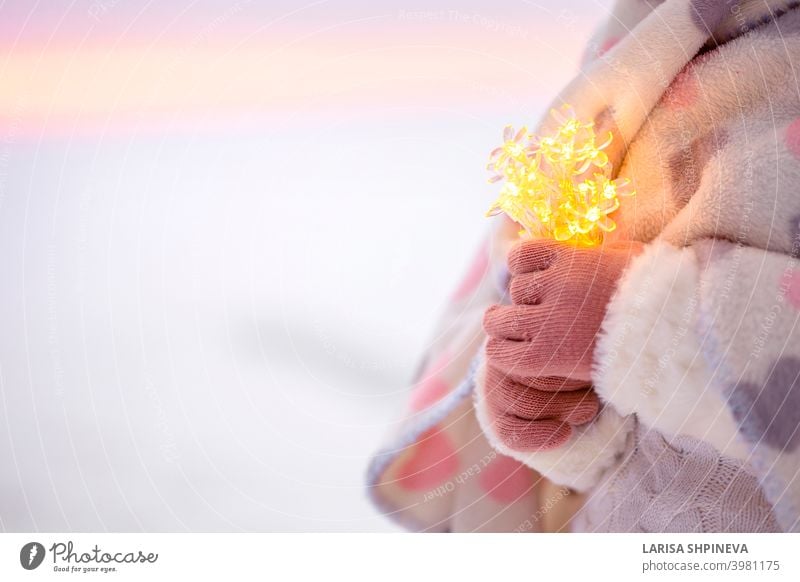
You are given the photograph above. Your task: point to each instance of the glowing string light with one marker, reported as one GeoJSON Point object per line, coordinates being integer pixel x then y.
{"type": "Point", "coordinates": [557, 186]}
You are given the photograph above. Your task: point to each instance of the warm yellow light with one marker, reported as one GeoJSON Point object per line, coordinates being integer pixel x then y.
{"type": "Point", "coordinates": [558, 186]}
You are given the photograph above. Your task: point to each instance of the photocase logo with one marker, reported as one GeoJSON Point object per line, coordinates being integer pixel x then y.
{"type": "Point", "coordinates": [31, 555]}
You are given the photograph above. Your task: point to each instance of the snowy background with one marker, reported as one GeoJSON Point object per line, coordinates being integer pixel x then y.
{"type": "Point", "coordinates": [226, 231]}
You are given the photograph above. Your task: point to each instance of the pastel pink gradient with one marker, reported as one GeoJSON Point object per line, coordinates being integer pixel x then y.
{"type": "Point", "coordinates": [120, 68]}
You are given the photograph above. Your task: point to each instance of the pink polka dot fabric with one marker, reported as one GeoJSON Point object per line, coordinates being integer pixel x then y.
{"type": "Point", "coordinates": [607, 45]}
{"type": "Point", "coordinates": [439, 473]}
{"type": "Point", "coordinates": [790, 287]}
{"type": "Point", "coordinates": [506, 480]}
{"type": "Point", "coordinates": [427, 392]}
{"type": "Point", "coordinates": [793, 138]}
{"type": "Point", "coordinates": [476, 273]}
{"type": "Point", "coordinates": [432, 461]}
{"type": "Point", "coordinates": [683, 92]}
{"type": "Point", "coordinates": [432, 387]}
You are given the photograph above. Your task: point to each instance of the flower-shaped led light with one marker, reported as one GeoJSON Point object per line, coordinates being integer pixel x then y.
{"type": "Point", "coordinates": [560, 185]}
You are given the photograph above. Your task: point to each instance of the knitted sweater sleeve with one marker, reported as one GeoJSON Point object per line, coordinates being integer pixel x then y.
{"type": "Point", "coordinates": [704, 341]}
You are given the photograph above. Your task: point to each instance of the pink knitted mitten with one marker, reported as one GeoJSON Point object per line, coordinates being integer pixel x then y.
{"type": "Point", "coordinates": [539, 353]}
{"type": "Point", "coordinates": [534, 414]}
{"type": "Point", "coordinates": [559, 294]}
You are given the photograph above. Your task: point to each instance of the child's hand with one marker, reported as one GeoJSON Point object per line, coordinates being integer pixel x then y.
{"type": "Point", "coordinates": [559, 294]}
{"type": "Point", "coordinates": [539, 353]}
{"type": "Point", "coordinates": [536, 414]}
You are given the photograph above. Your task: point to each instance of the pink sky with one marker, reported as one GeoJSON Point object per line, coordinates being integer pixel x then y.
{"type": "Point", "coordinates": [111, 65]}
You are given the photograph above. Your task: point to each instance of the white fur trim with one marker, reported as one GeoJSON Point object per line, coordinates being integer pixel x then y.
{"type": "Point", "coordinates": [649, 358]}
{"type": "Point", "coordinates": [581, 462]}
